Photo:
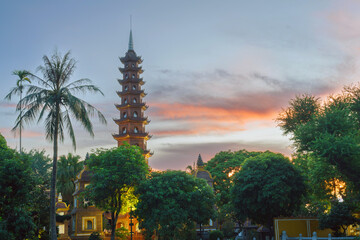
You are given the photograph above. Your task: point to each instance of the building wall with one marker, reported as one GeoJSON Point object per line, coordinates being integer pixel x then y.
{"type": "Point", "coordinates": [295, 226]}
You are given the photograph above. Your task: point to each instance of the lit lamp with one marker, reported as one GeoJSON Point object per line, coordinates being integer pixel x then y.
{"type": "Point", "coordinates": [131, 223]}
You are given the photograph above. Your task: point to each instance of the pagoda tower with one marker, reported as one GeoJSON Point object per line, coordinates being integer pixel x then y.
{"type": "Point", "coordinates": [132, 119]}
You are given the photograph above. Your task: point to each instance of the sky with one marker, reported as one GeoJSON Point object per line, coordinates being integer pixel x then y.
{"type": "Point", "coordinates": [217, 73]}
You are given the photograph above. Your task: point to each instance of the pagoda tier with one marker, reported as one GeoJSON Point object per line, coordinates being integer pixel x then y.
{"type": "Point", "coordinates": [133, 135]}
{"type": "Point", "coordinates": [131, 69]}
{"type": "Point", "coordinates": [137, 92]}
{"type": "Point", "coordinates": [143, 120]}
{"type": "Point", "coordinates": [143, 106]}
{"type": "Point", "coordinates": [132, 121]}
{"type": "Point", "coordinates": [132, 80]}
{"type": "Point", "coordinates": [131, 57]}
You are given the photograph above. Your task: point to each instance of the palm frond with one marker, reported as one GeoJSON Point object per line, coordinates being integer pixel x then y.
{"type": "Point", "coordinates": [54, 90]}
{"type": "Point", "coordinates": [13, 91]}
{"type": "Point", "coordinates": [78, 82]}
{"type": "Point", "coordinates": [85, 88]}
{"type": "Point", "coordinates": [67, 121]}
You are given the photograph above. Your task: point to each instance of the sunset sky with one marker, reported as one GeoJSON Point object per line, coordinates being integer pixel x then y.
{"type": "Point", "coordinates": [217, 72]}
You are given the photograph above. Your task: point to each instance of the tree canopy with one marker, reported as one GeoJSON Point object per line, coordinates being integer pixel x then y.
{"type": "Point", "coordinates": [16, 183]}
{"type": "Point", "coordinates": [223, 167]}
{"type": "Point", "coordinates": [171, 201]}
{"type": "Point", "coordinates": [68, 167]}
{"type": "Point", "coordinates": [115, 175]}
{"type": "Point", "coordinates": [329, 130]}
{"type": "Point", "coordinates": [267, 186]}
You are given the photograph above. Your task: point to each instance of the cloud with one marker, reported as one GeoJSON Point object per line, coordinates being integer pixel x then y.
{"type": "Point", "coordinates": [220, 101]}
{"type": "Point", "coordinates": [7, 105]}
{"type": "Point", "coordinates": [7, 133]}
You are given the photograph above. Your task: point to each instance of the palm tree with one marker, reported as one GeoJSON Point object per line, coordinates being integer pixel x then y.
{"type": "Point", "coordinates": [54, 98]}
{"type": "Point", "coordinates": [23, 76]}
{"type": "Point", "coordinates": [68, 167]}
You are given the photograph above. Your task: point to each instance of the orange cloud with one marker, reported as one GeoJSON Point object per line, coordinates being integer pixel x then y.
{"type": "Point", "coordinates": [203, 119]}
{"type": "Point", "coordinates": [205, 113]}
{"type": "Point", "coordinates": [7, 133]}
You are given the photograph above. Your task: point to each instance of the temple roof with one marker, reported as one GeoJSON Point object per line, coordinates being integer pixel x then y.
{"type": "Point", "coordinates": [131, 69]}
{"type": "Point", "coordinates": [132, 119]}
{"type": "Point", "coordinates": [132, 105]}
{"type": "Point", "coordinates": [61, 206]}
{"type": "Point", "coordinates": [199, 162]}
{"type": "Point", "coordinates": [131, 80]}
{"type": "Point", "coordinates": [132, 135]}
{"type": "Point", "coordinates": [131, 56]}
{"type": "Point", "coordinates": [132, 92]}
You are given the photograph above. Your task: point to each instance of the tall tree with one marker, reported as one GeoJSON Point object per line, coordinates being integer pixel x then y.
{"type": "Point", "coordinates": [171, 201]}
{"type": "Point", "coordinates": [267, 186]}
{"type": "Point", "coordinates": [329, 130]}
{"type": "Point", "coordinates": [23, 76]}
{"type": "Point", "coordinates": [68, 167]}
{"type": "Point", "coordinates": [115, 175]}
{"type": "Point", "coordinates": [55, 95]}
{"type": "Point", "coordinates": [223, 167]}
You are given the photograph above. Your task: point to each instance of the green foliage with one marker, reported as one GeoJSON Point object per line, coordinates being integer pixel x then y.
{"type": "Point", "coordinates": [223, 168]}
{"type": "Point", "coordinates": [122, 233]}
{"type": "Point", "coordinates": [301, 110]}
{"type": "Point", "coordinates": [39, 200]}
{"type": "Point", "coordinates": [216, 234]}
{"type": "Point", "coordinates": [16, 183]}
{"type": "Point", "coordinates": [331, 131]}
{"type": "Point", "coordinates": [228, 229]}
{"type": "Point", "coordinates": [341, 216]}
{"type": "Point", "coordinates": [95, 236]}
{"type": "Point", "coordinates": [323, 181]}
{"type": "Point", "coordinates": [115, 175]}
{"type": "Point", "coordinates": [267, 186]}
{"type": "Point", "coordinates": [171, 201]}
{"type": "Point", "coordinates": [188, 232]}
{"type": "Point", "coordinates": [68, 167]}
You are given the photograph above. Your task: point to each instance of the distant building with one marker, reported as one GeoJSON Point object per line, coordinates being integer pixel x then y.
{"type": "Point", "coordinates": [200, 172]}
{"type": "Point", "coordinates": [62, 209]}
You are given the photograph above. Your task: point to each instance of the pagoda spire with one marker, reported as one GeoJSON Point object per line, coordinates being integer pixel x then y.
{"type": "Point", "coordinates": [200, 162]}
{"type": "Point", "coordinates": [131, 42]}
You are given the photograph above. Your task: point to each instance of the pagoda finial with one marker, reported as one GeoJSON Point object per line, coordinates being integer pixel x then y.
{"type": "Point", "coordinates": [200, 162]}
{"type": "Point", "coordinates": [131, 42]}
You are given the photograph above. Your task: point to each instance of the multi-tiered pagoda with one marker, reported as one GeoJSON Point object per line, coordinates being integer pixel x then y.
{"type": "Point", "coordinates": [132, 120]}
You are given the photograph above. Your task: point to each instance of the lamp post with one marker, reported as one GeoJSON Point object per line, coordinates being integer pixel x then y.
{"type": "Point", "coordinates": [131, 224]}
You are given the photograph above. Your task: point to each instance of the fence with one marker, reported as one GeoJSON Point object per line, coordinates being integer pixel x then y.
{"type": "Point", "coordinates": [314, 237]}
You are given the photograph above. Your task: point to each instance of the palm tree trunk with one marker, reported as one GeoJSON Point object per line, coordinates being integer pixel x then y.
{"type": "Point", "coordinates": [20, 119]}
{"type": "Point", "coordinates": [53, 234]}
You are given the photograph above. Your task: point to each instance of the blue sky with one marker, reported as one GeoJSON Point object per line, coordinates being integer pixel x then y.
{"type": "Point", "coordinates": [217, 72]}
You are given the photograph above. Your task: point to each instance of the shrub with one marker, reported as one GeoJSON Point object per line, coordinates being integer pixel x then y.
{"type": "Point", "coordinates": [95, 236]}
{"type": "Point", "coordinates": [214, 235]}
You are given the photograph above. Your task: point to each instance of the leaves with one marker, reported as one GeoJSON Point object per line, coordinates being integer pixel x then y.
{"type": "Point", "coordinates": [170, 200]}
{"type": "Point", "coordinates": [267, 186]}
{"type": "Point", "coordinates": [68, 167]}
{"type": "Point", "coordinates": [329, 130]}
{"type": "Point", "coordinates": [115, 175]}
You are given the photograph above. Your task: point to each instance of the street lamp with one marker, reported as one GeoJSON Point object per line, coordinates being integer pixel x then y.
{"type": "Point", "coordinates": [131, 223]}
